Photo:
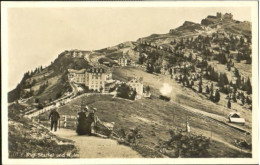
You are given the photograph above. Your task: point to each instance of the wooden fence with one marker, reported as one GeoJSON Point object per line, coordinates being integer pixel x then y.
{"type": "Point", "coordinates": [68, 121]}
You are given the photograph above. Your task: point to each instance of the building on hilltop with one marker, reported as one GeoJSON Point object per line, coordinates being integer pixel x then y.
{"type": "Point", "coordinates": [219, 15]}
{"type": "Point", "coordinates": [77, 54]}
{"type": "Point", "coordinates": [228, 16]}
{"type": "Point", "coordinates": [217, 19]}
{"type": "Point", "coordinates": [94, 78]}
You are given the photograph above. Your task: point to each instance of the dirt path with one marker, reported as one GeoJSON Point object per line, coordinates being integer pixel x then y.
{"type": "Point", "coordinates": [96, 147]}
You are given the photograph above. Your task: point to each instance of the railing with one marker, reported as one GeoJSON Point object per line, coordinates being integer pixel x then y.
{"type": "Point", "coordinates": [68, 121]}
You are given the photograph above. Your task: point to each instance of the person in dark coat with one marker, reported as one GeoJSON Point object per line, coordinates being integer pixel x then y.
{"type": "Point", "coordinates": [54, 117]}
{"type": "Point", "coordinates": [82, 122]}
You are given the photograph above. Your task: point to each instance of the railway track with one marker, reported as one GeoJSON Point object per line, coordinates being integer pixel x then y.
{"type": "Point", "coordinates": [240, 131]}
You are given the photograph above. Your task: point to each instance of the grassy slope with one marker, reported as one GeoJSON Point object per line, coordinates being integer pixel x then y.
{"type": "Point", "coordinates": [155, 117]}
{"type": "Point", "coordinates": [179, 94]}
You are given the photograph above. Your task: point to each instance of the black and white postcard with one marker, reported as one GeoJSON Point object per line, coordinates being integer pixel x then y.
{"type": "Point", "coordinates": [129, 82]}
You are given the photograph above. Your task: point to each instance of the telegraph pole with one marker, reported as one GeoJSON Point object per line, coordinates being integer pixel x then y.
{"type": "Point", "coordinates": [39, 117]}
{"type": "Point", "coordinates": [210, 133]}
{"type": "Point", "coordinates": [173, 115]}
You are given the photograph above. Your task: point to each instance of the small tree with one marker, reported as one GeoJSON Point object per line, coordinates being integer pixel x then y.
{"type": "Point", "coordinates": [211, 96]}
{"type": "Point", "coordinates": [123, 91]}
{"type": "Point", "coordinates": [200, 88]}
{"type": "Point", "coordinates": [149, 68]}
{"type": "Point", "coordinates": [191, 83]}
{"type": "Point", "coordinates": [243, 100]}
{"type": "Point", "coordinates": [217, 96]}
{"type": "Point", "coordinates": [211, 88]}
{"type": "Point", "coordinates": [36, 100]}
{"type": "Point", "coordinates": [248, 86]}
{"type": "Point", "coordinates": [147, 89]}
{"type": "Point", "coordinates": [228, 67]}
{"type": "Point", "coordinates": [248, 101]}
{"type": "Point", "coordinates": [207, 89]}
{"type": "Point", "coordinates": [58, 95]}
{"type": "Point", "coordinates": [234, 98]}
{"type": "Point", "coordinates": [236, 72]}
{"type": "Point", "coordinates": [40, 106]}
{"type": "Point", "coordinates": [229, 104]}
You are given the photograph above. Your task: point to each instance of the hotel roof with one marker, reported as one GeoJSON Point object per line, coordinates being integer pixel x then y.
{"type": "Point", "coordinates": [91, 70]}
{"type": "Point", "coordinates": [77, 71]}
{"type": "Point", "coordinates": [96, 70]}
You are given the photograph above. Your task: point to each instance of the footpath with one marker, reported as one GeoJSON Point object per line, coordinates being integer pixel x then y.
{"type": "Point", "coordinates": [97, 147]}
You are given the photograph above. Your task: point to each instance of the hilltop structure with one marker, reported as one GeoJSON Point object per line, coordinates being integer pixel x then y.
{"type": "Point", "coordinates": [76, 53]}
{"type": "Point", "coordinates": [227, 16]}
{"type": "Point", "coordinates": [211, 20]}
{"type": "Point", "coordinates": [94, 78]}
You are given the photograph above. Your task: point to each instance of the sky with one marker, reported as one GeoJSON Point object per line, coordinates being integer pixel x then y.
{"type": "Point", "coordinates": [37, 35]}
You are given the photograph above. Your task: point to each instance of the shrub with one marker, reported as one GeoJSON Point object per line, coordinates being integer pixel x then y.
{"type": "Point", "coordinates": [185, 144]}
{"type": "Point", "coordinates": [217, 96]}
{"type": "Point", "coordinates": [125, 92]}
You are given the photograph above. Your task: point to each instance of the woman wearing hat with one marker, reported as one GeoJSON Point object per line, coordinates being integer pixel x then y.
{"type": "Point", "coordinates": [82, 122]}
{"type": "Point", "coordinates": [92, 120]}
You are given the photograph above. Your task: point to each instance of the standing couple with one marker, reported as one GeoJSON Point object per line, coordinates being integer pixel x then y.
{"type": "Point", "coordinates": [86, 122]}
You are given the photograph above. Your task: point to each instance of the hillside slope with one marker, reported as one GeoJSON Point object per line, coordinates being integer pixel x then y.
{"type": "Point", "coordinates": [48, 83]}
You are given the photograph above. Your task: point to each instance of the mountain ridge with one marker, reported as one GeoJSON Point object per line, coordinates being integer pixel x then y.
{"type": "Point", "coordinates": [65, 61]}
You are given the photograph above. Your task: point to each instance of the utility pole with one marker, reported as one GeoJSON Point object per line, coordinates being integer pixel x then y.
{"type": "Point", "coordinates": [39, 117]}
{"type": "Point", "coordinates": [173, 115]}
{"type": "Point", "coordinates": [210, 133]}
{"type": "Point", "coordinates": [187, 125]}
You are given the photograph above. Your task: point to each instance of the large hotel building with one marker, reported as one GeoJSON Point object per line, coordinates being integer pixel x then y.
{"type": "Point", "coordinates": [93, 78]}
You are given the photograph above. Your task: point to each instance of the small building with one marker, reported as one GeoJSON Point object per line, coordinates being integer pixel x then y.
{"type": "Point", "coordinates": [108, 75]}
{"type": "Point", "coordinates": [132, 63]}
{"type": "Point", "coordinates": [136, 84]}
{"type": "Point", "coordinates": [219, 15]}
{"type": "Point", "coordinates": [78, 76]}
{"type": "Point", "coordinates": [234, 117]}
{"type": "Point", "coordinates": [77, 54]}
{"type": "Point", "coordinates": [122, 61]}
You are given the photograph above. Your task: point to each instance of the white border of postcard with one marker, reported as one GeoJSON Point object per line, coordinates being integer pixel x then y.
{"type": "Point", "coordinates": [254, 13]}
